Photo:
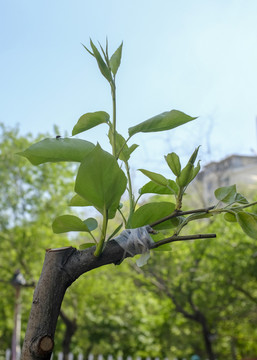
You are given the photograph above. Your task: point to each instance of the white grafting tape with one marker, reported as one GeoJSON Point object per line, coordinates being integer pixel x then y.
{"type": "Point", "coordinates": [136, 241]}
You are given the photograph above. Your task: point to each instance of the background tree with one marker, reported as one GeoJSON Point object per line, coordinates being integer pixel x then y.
{"type": "Point", "coordinates": [29, 199]}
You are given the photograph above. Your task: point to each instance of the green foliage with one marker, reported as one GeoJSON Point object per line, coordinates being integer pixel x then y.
{"type": "Point", "coordinates": [101, 181]}
{"type": "Point", "coordinates": [30, 198]}
{"type": "Point", "coordinates": [57, 149]}
{"type": "Point", "coordinates": [66, 223]}
{"type": "Point", "coordinates": [166, 121]}
{"type": "Point", "coordinates": [90, 120]}
{"type": "Point", "coordinates": [149, 213]}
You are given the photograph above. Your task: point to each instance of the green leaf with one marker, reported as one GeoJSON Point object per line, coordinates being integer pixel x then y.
{"type": "Point", "coordinates": [157, 178]}
{"type": "Point", "coordinates": [186, 175]}
{"type": "Point", "coordinates": [165, 121]}
{"type": "Point", "coordinates": [79, 201]}
{"type": "Point", "coordinates": [230, 217]}
{"type": "Point", "coordinates": [241, 199]}
{"type": "Point", "coordinates": [55, 150]}
{"type": "Point", "coordinates": [195, 171]}
{"type": "Point", "coordinates": [116, 59]}
{"type": "Point", "coordinates": [226, 194]}
{"type": "Point", "coordinates": [115, 232]}
{"type": "Point", "coordinates": [248, 223]}
{"type": "Point", "coordinates": [173, 161]}
{"type": "Point", "coordinates": [86, 246]}
{"type": "Point", "coordinates": [91, 223]}
{"type": "Point", "coordinates": [132, 148]}
{"type": "Point", "coordinates": [164, 247]}
{"type": "Point", "coordinates": [101, 64]}
{"type": "Point", "coordinates": [152, 188]}
{"type": "Point", "coordinates": [153, 211]}
{"type": "Point", "coordinates": [194, 156]}
{"type": "Point", "coordinates": [66, 223]}
{"type": "Point", "coordinates": [100, 181]}
{"type": "Point", "coordinates": [121, 146]}
{"type": "Point", "coordinates": [90, 120]}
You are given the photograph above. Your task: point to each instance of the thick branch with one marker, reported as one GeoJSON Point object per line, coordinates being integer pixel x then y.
{"type": "Point", "coordinates": [61, 268]}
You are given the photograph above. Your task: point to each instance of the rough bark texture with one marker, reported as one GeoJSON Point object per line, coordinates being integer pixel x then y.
{"type": "Point", "coordinates": [61, 268]}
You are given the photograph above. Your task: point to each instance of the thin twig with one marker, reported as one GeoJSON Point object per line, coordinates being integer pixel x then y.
{"type": "Point", "coordinates": [181, 238]}
{"type": "Point", "coordinates": [177, 213]}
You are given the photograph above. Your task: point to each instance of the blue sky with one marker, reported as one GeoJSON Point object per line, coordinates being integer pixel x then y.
{"type": "Point", "coordinates": [197, 56]}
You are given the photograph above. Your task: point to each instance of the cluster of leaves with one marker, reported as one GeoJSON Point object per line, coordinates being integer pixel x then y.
{"type": "Point", "coordinates": [103, 177]}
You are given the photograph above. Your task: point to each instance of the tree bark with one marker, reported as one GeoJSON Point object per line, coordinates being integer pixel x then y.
{"type": "Point", "coordinates": [61, 268]}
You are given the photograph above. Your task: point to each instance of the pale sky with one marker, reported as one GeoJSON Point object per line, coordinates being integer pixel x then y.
{"type": "Point", "coordinates": [196, 56]}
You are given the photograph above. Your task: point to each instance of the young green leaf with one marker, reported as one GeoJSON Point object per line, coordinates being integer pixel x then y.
{"type": "Point", "coordinates": [86, 246]}
{"type": "Point", "coordinates": [152, 188]}
{"type": "Point", "coordinates": [185, 176]}
{"type": "Point", "coordinates": [115, 232]}
{"type": "Point", "coordinates": [79, 201]}
{"type": "Point", "coordinates": [149, 213]}
{"type": "Point", "coordinates": [165, 121]}
{"type": "Point", "coordinates": [194, 156]}
{"type": "Point", "coordinates": [90, 120]}
{"type": "Point", "coordinates": [116, 59]}
{"type": "Point", "coordinates": [100, 181]}
{"type": "Point", "coordinates": [57, 149]}
{"type": "Point", "coordinates": [165, 247]}
{"type": "Point", "coordinates": [241, 199]}
{"type": "Point", "coordinates": [157, 178]}
{"type": "Point", "coordinates": [121, 146]}
{"type": "Point", "coordinates": [101, 64]}
{"type": "Point", "coordinates": [66, 223]}
{"type": "Point", "coordinates": [230, 217]}
{"type": "Point", "coordinates": [195, 171]}
{"type": "Point", "coordinates": [226, 194]}
{"type": "Point", "coordinates": [248, 223]}
{"type": "Point", "coordinates": [173, 161]}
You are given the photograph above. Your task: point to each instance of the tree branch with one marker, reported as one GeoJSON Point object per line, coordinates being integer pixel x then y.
{"type": "Point", "coordinates": [181, 238]}
{"type": "Point", "coordinates": [61, 268]}
{"type": "Point", "coordinates": [177, 213]}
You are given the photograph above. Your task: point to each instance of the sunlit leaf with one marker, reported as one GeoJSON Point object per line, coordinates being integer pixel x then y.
{"type": "Point", "coordinates": [86, 246]}
{"type": "Point", "coordinates": [116, 59]}
{"type": "Point", "coordinates": [101, 64]}
{"type": "Point", "coordinates": [100, 181]}
{"type": "Point", "coordinates": [115, 232]}
{"type": "Point", "coordinates": [186, 175]}
{"type": "Point", "coordinates": [66, 223]}
{"type": "Point", "coordinates": [79, 201]}
{"type": "Point", "coordinates": [165, 121]}
{"type": "Point", "coordinates": [90, 120]}
{"type": "Point", "coordinates": [248, 223]}
{"type": "Point", "coordinates": [152, 188]}
{"type": "Point", "coordinates": [157, 178]}
{"type": "Point", "coordinates": [230, 217]}
{"type": "Point", "coordinates": [121, 146]}
{"type": "Point", "coordinates": [173, 161]}
{"type": "Point", "coordinates": [165, 247]}
{"type": "Point", "coordinates": [55, 150]}
{"type": "Point", "coordinates": [149, 213]}
{"type": "Point", "coordinates": [227, 194]}
{"type": "Point", "coordinates": [241, 199]}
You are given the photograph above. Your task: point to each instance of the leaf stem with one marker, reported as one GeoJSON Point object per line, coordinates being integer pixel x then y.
{"type": "Point", "coordinates": [100, 245]}
{"type": "Point", "coordinates": [113, 90]}
{"type": "Point", "coordinates": [130, 191]}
